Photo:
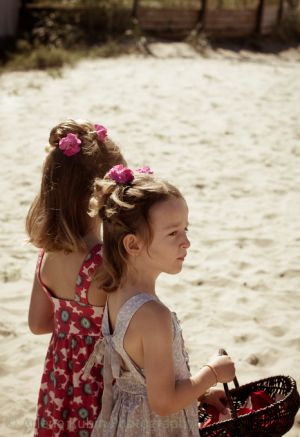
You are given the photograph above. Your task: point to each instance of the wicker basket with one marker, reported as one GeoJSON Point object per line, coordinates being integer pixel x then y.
{"type": "Point", "coordinates": [272, 421]}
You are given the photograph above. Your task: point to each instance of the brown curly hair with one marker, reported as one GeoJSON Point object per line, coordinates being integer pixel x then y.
{"type": "Point", "coordinates": [57, 218]}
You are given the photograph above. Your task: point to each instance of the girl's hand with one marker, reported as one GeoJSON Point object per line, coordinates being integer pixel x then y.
{"type": "Point", "coordinates": [215, 397]}
{"type": "Point", "coordinates": [223, 367]}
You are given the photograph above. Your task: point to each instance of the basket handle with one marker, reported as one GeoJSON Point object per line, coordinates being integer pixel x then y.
{"type": "Point", "coordinates": [227, 392]}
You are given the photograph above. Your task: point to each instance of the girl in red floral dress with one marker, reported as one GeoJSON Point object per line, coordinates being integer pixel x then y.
{"type": "Point", "coordinates": [65, 301]}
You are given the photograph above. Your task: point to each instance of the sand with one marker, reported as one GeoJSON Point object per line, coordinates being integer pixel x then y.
{"type": "Point", "coordinates": [225, 129]}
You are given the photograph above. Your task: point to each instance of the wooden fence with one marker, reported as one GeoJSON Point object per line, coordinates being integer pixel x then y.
{"type": "Point", "coordinates": [94, 20]}
{"type": "Point", "coordinates": [218, 23]}
{"type": "Point", "coordinates": [167, 19]}
{"type": "Point", "coordinates": [178, 22]}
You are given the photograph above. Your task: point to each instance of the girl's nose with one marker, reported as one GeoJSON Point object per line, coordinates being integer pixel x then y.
{"type": "Point", "coordinates": [186, 243]}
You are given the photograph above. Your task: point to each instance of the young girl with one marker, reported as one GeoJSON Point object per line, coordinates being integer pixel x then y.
{"type": "Point", "coordinates": [64, 301]}
{"type": "Point", "coordinates": [144, 234]}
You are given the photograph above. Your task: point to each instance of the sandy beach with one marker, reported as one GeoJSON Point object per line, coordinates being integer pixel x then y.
{"type": "Point", "coordinates": [225, 129]}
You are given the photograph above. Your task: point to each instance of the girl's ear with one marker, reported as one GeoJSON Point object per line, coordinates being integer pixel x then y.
{"type": "Point", "coordinates": [132, 244]}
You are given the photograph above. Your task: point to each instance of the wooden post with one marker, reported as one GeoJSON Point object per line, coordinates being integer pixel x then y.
{"type": "Point", "coordinates": [136, 28]}
{"type": "Point", "coordinates": [203, 11]}
{"type": "Point", "coordinates": [280, 12]}
{"type": "Point", "coordinates": [134, 8]}
{"type": "Point", "coordinates": [260, 16]}
{"type": "Point", "coordinates": [9, 16]}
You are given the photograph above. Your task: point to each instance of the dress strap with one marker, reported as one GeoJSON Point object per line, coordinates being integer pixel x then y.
{"type": "Point", "coordinates": [127, 311]}
{"type": "Point", "coordinates": [125, 315]}
{"type": "Point", "coordinates": [86, 272]}
{"type": "Point", "coordinates": [109, 351]}
{"type": "Point", "coordinates": [104, 353]}
{"type": "Point", "coordinates": [38, 273]}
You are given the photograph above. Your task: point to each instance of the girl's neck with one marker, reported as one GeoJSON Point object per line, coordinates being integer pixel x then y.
{"type": "Point", "coordinates": [136, 282]}
{"type": "Point", "coordinates": [131, 288]}
{"type": "Point", "coordinates": [92, 237]}
{"type": "Point", "coordinates": [133, 284]}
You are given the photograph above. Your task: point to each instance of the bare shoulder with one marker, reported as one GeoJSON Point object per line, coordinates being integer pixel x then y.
{"type": "Point", "coordinates": [59, 272]}
{"type": "Point", "coordinates": [47, 266]}
{"type": "Point", "coordinates": [153, 314]}
{"type": "Point", "coordinates": [60, 263]}
{"type": "Point", "coordinates": [154, 309]}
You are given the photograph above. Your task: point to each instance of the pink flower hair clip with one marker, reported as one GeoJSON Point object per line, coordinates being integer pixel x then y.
{"type": "Point", "coordinates": [145, 169]}
{"type": "Point", "coordinates": [70, 144]}
{"type": "Point", "coordinates": [121, 175]}
{"type": "Point", "coordinates": [124, 175]}
{"type": "Point", "coordinates": [101, 132]}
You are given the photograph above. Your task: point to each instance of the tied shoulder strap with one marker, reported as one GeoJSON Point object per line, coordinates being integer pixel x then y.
{"type": "Point", "coordinates": [105, 354]}
{"type": "Point", "coordinates": [126, 313]}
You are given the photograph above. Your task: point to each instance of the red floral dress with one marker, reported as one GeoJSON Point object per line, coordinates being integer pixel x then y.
{"type": "Point", "coordinates": [68, 406]}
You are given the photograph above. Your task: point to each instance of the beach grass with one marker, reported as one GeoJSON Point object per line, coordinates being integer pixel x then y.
{"type": "Point", "coordinates": [43, 57]}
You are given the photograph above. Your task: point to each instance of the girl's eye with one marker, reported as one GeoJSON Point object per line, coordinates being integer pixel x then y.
{"type": "Point", "coordinates": [186, 229]}
{"type": "Point", "coordinates": [174, 233]}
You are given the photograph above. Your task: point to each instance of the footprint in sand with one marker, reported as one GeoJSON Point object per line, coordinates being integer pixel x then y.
{"type": "Point", "coordinates": [6, 330]}
{"type": "Point", "coordinates": [263, 242]}
{"type": "Point", "coordinates": [10, 273]}
{"type": "Point", "coordinates": [291, 273]}
{"type": "Point", "coordinates": [294, 343]}
{"type": "Point", "coordinates": [253, 360]}
{"type": "Point", "coordinates": [276, 331]}
{"type": "Point", "coordinates": [242, 338]}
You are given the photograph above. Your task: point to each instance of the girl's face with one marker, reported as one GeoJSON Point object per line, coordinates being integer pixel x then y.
{"type": "Point", "coordinates": [168, 248]}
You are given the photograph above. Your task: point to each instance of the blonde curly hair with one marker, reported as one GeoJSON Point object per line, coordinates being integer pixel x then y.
{"type": "Point", "coordinates": [125, 209]}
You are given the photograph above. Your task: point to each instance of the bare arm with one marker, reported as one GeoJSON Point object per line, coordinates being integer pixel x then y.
{"type": "Point", "coordinates": [40, 315]}
{"type": "Point", "coordinates": [165, 395]}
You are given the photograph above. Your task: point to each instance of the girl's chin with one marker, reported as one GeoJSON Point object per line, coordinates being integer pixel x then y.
{"type": "Point", "coordinates": [175, 270]}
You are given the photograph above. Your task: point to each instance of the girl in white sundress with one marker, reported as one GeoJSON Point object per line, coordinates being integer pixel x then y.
{"type": "Point", "coordinates": [148, 389]}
